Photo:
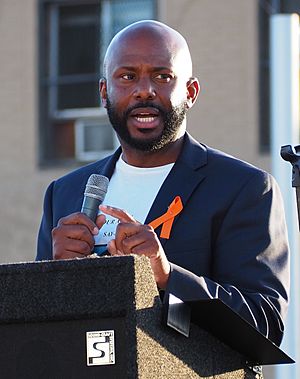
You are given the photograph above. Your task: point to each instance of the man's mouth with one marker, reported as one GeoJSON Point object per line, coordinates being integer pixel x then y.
{"type": "Point", "coordinates": [145, 117]}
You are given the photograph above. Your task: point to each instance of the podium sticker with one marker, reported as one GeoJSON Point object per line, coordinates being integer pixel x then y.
{"type": "Point", "coordinates": [100, 348]}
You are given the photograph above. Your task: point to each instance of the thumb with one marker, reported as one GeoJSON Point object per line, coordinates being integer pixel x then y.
{"type": "Point", "coordinates": [100, 220]}
{"type": "Point", "coordinates": [112, 248]}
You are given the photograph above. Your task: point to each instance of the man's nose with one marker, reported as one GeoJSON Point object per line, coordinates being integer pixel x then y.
{"type": "Point", "coordinates": [144, 90]}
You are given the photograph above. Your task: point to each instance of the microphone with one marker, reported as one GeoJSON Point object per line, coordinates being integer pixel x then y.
{"type": "Point", "coordinates": [94, 194]}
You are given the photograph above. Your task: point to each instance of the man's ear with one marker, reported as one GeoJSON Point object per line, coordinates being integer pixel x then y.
{"type": "Point", "coordinates": [193, 90]}
{"type": "Point", "coordinates": [103, 92]}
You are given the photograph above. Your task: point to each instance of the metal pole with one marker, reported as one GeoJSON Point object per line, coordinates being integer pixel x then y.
{"type": "Point", "coordinates": [284, 82]}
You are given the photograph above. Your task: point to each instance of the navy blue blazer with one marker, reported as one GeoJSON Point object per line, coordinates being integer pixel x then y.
{"type": "Point", "coordinates": [229, 242]}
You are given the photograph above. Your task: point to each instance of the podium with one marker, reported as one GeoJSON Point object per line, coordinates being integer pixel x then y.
{"type": "Point", "coordinates": [99, 318]}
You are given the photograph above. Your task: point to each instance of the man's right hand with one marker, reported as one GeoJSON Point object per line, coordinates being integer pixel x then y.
{"type": "Point", "coordinates": [74, 236]}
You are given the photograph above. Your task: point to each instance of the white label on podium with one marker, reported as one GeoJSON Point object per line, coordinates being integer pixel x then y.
{"type": "Point", "coordinates": [100, 347]}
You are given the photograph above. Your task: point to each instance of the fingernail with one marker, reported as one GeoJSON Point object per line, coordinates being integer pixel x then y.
{"type": "Point", "coordinates": [95, 230]}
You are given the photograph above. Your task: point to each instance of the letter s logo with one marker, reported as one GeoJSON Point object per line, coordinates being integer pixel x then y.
{"type": "Point", "coordinates": [98, 348]}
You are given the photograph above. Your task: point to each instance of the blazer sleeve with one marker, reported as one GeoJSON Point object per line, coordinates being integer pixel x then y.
{"type": "Point", "coordinates": [44, 243]}
{"type": "Point", "coordinates": [250, 263]}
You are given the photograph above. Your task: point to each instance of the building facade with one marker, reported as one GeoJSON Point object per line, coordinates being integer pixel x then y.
{"type": "Point", "coordinates": [50, 115]}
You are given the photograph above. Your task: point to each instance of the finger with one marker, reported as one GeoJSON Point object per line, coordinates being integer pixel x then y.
{"type": "Point", "coordinates": [112, 248]}
{"type": "Point", "coordinates": [149, 248]}
{"type": "Point", "coordinates": [129, 235]}
{"type": "Point", "coordinates": [69, 255]}
{"type": "Point", "coordinates": [70, 248]}
{"type": "Point", "coordinates": [120, 214]}
{"type": "Point", "coordinates": [123, 231]}
{"type": "Point", "coordinates": [100, 220]}
{"type": "Point", "coordinates": [142, 243]}
{"type": "Point", "coordinates": [73, 232]}
{"type": "Point", "coordinates": [79, 218]}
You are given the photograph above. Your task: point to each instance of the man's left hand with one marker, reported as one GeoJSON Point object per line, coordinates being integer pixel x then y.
{"type": "Point", "coordinates": [132, 237]}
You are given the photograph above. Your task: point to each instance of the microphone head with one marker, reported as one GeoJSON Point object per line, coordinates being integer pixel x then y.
{"type": "Point", "coordinates": [96, 187]}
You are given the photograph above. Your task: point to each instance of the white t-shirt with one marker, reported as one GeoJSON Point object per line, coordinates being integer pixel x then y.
{"type": "Point", "coordinates": [134, 190]}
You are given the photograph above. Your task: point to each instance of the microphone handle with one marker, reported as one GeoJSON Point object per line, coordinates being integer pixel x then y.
{"type": "Point", "coordinates": [90, 207]}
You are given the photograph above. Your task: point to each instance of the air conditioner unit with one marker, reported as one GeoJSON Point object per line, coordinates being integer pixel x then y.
{"type": "Point", "coordinates": [94, 139]}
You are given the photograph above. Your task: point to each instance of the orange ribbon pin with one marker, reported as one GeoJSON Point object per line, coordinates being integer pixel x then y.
{"type": "Point", "coordinates": [166, 220]}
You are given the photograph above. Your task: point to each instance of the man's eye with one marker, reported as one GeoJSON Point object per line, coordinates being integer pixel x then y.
{"type": "Point", "coordinates": [127, 76]}
{"type": "Point", "coordinates": [164, 77]}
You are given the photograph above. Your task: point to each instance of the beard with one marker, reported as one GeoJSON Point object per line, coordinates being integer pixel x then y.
{"type": "Point", "coordinates": [172, 120]}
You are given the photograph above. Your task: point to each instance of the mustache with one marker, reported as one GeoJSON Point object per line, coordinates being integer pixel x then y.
{"type": "Point", "coordinates": [146, 104]}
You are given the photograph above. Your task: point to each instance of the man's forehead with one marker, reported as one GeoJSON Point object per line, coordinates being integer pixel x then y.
{"type": "Point", "coordinates": [128, 59]}
{"type": "Point", "coordinates": [138, 49]}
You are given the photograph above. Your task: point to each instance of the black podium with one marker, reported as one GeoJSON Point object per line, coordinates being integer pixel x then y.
{"type": "Point", "coordinates": [101, 318]}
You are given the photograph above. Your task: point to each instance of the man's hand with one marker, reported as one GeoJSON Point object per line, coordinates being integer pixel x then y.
{"type": "Point", "coordinates": [74, 236]}
{"type": "Point", "coordinates": [133, 237]}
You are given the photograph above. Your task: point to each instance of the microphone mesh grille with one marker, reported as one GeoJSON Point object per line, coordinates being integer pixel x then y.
{"type": "Point", "coordinates": [96, 186]}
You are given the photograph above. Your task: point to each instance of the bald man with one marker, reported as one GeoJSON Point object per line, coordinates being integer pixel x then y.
{"type": "Point", "coordinates": [227, 238]}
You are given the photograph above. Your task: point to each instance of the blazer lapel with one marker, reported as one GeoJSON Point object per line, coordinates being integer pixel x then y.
{"type": "Point", "coordinates": [182, 180]}
{"type": "Point", "coordinates": [108, 167]}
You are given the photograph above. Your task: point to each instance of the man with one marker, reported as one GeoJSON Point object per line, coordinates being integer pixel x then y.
{"type": "Point", "coordinates": [227, 241]}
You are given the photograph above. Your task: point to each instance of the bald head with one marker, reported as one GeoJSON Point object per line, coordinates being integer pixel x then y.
{"type": "Point", "coordinates": [154, 34]}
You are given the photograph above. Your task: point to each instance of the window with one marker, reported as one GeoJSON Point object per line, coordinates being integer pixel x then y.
{"type": "Point", "coordinates": [266, 9]}
{"type": "Point", "coordinates": [73, 38]}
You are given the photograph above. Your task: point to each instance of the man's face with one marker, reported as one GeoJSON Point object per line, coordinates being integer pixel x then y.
{"type": "Point", "coordinates": [145, 92]}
